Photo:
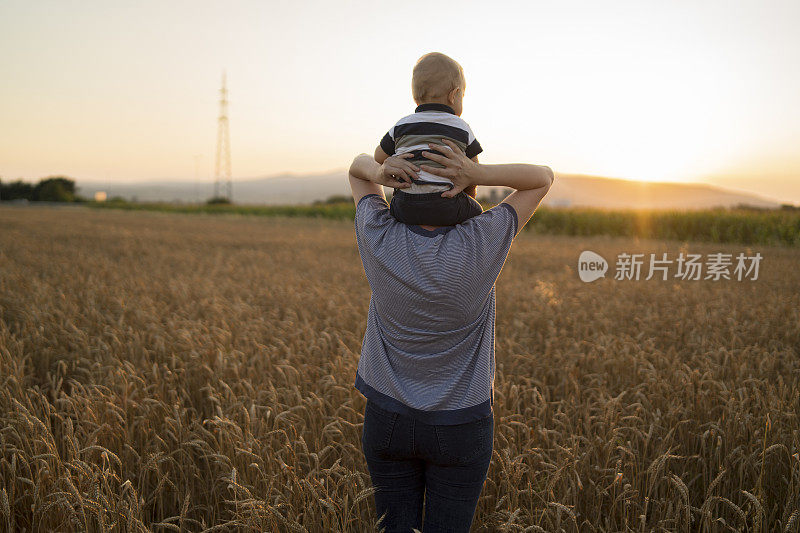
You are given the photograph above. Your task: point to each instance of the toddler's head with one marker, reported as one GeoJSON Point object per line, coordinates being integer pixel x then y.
{"type": "Point", "coordinates": [440, 79]}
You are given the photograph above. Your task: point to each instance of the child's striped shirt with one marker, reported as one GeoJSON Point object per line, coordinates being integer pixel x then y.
{"type": "Point", "coordinates": [429, 123]}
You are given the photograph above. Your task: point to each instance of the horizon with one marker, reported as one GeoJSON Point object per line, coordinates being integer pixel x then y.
{"type": "Point", "coordinates": [96, 185]}
{"type": "Point", "coordinates": [702, 94]}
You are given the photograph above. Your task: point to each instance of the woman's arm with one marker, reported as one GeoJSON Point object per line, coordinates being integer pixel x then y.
{"type": "Point", "coordinates": [530, 181]}
{"type": "Point", "coordinates": [367, 176]}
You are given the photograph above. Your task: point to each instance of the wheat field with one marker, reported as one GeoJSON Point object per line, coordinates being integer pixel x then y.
{"type": "Point", "coordinates": [167, 372]}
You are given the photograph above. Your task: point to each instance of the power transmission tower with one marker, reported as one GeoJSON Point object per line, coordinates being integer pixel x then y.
{"type": "Point", "coordinates": [222, 169]}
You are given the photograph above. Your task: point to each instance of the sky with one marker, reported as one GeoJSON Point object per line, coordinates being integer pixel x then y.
{"type": "Point", "coordinates": [649, 90]}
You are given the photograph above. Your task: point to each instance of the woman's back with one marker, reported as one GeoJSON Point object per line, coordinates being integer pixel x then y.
{"type": "Point", "coordinates": [428, 350]}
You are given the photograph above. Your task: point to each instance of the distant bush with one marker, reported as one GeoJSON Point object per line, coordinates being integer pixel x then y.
{"type": "Point", "coordinates": [56, 189]}
{"type": "Point", "coordinates": [16, 190]}
{"type": "Point", "coordinates": [52, 189]}
{"type": "Point", "coordinates": [332, 211]}
{"type": "Point", "coordinates": [335, 199]}
{"type": "Point", "coordinates": [218, 200]}
{"type": "Point", "coordinates": [745, 226]}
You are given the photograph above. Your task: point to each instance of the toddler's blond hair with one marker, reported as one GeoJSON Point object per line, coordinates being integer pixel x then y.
{"type": "Point", "coordinates": [434, 76]}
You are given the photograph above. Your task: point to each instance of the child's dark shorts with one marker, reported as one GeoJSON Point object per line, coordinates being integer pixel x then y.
{"type": "Point", "coordinates": [432, 209]}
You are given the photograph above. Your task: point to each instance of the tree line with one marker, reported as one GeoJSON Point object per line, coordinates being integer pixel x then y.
{"type": "Point", "coordinates": [52, 189]}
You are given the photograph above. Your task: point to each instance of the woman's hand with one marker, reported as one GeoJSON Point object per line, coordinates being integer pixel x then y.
{"type": "Point", "coordinates": [396, 172]}
{"type": "Point", "coordinates": [459, 169]}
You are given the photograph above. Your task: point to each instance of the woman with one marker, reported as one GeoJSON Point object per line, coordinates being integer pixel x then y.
{"type": "Point", "coordinates": [427, 359]}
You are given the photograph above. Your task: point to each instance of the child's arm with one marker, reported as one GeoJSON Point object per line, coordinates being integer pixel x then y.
{"type": "Point", "coordinates": [380, 155]}
{"type": "Point", "coordinates": [386, 147]}
{"type": "Point", "coordinates": [366, 176]}
{"type": "Point", "coordinates": [472, 190]}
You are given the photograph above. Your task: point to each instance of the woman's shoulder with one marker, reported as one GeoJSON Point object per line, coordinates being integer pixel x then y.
{"type": "Point", "coordinates": [372, 212]}
{"type": "Point", "coordinates": [370, 204]}
{"type": "Point", "coordinates": [502, 218]}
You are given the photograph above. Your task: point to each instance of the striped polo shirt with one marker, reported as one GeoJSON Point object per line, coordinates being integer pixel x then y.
{"type": "Point", "coordinates": [429, 123]}
{"type": "Point", "coordinates": [428, 349]}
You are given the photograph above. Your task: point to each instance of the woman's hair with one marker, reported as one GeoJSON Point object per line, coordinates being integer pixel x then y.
{"type": "Point", "coordinates": [434, 76]}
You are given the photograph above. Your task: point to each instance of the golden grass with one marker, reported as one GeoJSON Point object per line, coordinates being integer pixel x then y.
{"type": "Point", "coordinates": [172, 372]}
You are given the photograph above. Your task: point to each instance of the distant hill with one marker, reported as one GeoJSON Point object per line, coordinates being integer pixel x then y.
{"type": "Point", "coordinates": [272, 190]}
{"type": "Point", "coordinates": [568, 190]}
{"type": "Point", "coordinates": [592, 191]}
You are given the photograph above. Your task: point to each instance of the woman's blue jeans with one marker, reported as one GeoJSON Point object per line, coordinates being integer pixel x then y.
{"type": "Point", "coordinates": [412, 463]}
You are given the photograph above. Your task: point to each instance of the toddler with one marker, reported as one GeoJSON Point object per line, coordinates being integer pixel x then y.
{"type": "Point", "coordinates": [437, 85]}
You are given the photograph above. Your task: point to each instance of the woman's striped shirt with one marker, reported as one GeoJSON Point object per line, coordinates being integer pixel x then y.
{"type": "Point", "coordinates": [428, 350]}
